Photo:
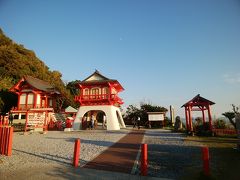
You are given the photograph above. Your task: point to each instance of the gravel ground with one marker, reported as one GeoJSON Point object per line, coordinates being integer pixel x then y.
{"type": "Point", "coordinates": [169, 154]}
{"type": "Point", "coordinates": [56, 148]}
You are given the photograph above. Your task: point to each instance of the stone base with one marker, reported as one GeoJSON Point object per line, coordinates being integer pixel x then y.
{"type": "Point", "coordinates": [68, 129]}
{"type": "Point", "coordinates": [38, 129]}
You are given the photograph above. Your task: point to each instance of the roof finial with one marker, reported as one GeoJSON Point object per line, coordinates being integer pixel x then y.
{"type": "Point", "coordinates": [96, 71]}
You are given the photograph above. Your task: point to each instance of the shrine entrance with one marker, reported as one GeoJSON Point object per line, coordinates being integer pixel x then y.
{"type": "Point", "coordinates": [198, 103]}
{"type": "Point", "coordinates": [99, 117]}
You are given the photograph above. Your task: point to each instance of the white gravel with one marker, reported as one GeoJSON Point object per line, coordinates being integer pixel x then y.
{"type": "Point", "coordinates": [169, 154]}
{"type": "Point", "coordinates": [55, 148]}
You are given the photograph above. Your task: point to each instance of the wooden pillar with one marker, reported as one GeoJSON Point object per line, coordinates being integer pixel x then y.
{"type": "Point", "coordinates": [26, 103]}
{"type": "Point", "coordinates": [209, 117]}
{"type": "Point", "coordinates": [110, 93]}
{"type": "Point", "coordinates": [18, 105]}
{"type": "Point", "coordinates": [186, 115]}
{"type": "Point", "coordinates": [35, 100]}
{"type": "Point", "coordinates": [203, 115]}
{"type": "Point", "coordinates": [190, 118]}
{"type": "Point", "coordinates": [46, 102]}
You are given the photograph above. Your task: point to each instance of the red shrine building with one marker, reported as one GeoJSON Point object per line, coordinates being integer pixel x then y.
{"type": "Point", "coordinates": [198, 103]}
{"type": "Point", "coordinates": [34, 93]}
{"type": "Point", "coordinates": [98, 93]}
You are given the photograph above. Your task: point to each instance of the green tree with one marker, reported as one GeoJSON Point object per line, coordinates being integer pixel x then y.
{"type": "Point", "coordinates": [72, 87]}
{"type": "Point", "coordinates": [219, 124]}
{"type": "Point", "coordinates": [1, 105]}
{"type": "Point", "coordinates": [231, 115]}
{"type": "Point", "coordinates": [17, 61]}
{"type": "Point", "coordinates": [133, 112]}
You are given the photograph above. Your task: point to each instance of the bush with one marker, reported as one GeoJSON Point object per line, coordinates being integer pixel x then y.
{"type": "Point", "coordinates": [203, 129]}
{"type": "Point", "coordinates": [219, 124]}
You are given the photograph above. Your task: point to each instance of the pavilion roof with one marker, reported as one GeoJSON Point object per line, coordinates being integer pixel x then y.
{"type": "Point", "coordinates": [198, 100]}
{"type": "Point", "coordinates": [98, 78]}
{"type": "Point", "coordinates": [35, 83]}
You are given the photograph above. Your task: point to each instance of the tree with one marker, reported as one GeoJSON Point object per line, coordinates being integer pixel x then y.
{"type": "Point", "coordinates": [231, 115]}
{"type": "Point", "coordinates": [17, 61]}
{"type": "Point", "coordinates": [1, 105]}
{"type": "Point", "coordinates": [199, 121]}
{"type": "Point", "coordinates": [71, 86]}
{"type": "Point", "coordinates": [219, 124]}
{"type": "Point", "coordinates": [133, 112]}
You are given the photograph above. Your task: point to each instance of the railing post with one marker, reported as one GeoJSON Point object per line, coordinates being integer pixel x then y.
{"type": "Point", "coordinates": [1, 138]}
{"type": "Point", "coordinates": [9, 145]}
{"type": "Point", "coordinates": [76, 153]}
{"type": "Point", "coordinates": [144, 160]}
{"type": "Point", "coordinates": [205, 158]}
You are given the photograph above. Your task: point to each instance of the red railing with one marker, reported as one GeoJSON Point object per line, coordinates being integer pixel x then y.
{"type": "Point", "coordinates": [225, 131]}
{"type": "Point", "coordinates": [98, 97]}
{"type": "Point", "coordinates": [6, 135]}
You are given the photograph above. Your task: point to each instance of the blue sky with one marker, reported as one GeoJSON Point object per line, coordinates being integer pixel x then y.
{"type": "Point", "coordinates": [162, 51]}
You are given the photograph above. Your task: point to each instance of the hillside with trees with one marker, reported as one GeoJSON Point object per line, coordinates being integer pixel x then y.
{"type": "Point", "coordinates": [17, 61]}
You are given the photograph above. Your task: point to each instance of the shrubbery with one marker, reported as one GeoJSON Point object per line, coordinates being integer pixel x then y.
{"type": "Point", "coordinates": [219, 124]}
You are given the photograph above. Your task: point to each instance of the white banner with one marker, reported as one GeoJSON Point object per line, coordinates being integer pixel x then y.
{"type": "Point", "coordinates": [155, 117]}
{"type": "Point", "coordinates": [36, 119]}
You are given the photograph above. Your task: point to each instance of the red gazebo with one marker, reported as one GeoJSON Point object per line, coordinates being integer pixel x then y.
{"type": "Point", "coordinates": [198, 103]}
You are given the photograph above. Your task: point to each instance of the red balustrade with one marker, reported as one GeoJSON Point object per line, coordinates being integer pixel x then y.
{"type": "Point", "coordinates": [6, 135]}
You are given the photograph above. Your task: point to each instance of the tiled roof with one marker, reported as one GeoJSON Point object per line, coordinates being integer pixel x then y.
{"type": "Point", "coordinates": [40, 84]}
{"type": "Point", "coordinates": [198, 100]}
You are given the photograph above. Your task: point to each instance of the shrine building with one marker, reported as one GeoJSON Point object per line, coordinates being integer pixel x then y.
{"type": "Point", "coordinates": [99, 96]}
{"type": "Point", "coordinates": [34, 93]}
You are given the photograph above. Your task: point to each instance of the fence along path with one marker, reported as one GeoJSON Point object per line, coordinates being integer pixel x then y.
{"type": "Point", "coordinates": [6, 135]}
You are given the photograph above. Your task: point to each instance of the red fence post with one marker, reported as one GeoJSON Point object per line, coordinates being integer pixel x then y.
{"type": "Point", "coordinates": [9, 145]}
{"type": "Point", "coordinates": [76, 153]}
{"type": "Point", "coordinates": [3, 141]}
{"type": "Point", "coordinates": [144, 160]}
{"type": "Point", "coordinates": [205, 157]}
{"type": "Point", "coordinates": [1, 138]}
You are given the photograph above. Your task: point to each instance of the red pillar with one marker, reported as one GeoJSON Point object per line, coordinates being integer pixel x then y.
{"type": "Point", "coordinates": [190, 118]}
{"type": "Point", "coordinates": [205, 158]}
{"type": "Point", "coordinates": [76, 153]}
{"type": "Point", "coordinates": [186, 114]}
{"type": "Point", "coordinates": [9, 144]}
{"type": "Point", "coordinates": [209, 117]}
{"type": "Point", "coordinates": [144, 160]}
{"type": "Point", "coordinates": [46, 102]}
{"type": "Point", "coordinates": [203, 115]}
{"type": "Point", "coordinates": [26, 103]}
{"type": "Point", "coordinates": [18, 105]}
{"type": "Point", "coordinates": [35, 100]}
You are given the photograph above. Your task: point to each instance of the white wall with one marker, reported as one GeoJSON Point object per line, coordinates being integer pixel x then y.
{"type": "Point", "coordinates": [113, 123]}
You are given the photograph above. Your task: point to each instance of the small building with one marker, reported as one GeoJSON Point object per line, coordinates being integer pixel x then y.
{"type": "Point", "coordinates": [99, 99]}
{"type": "Point", "coordinates": [34, 94]}
{"type": "Point", "coordinates": [197, 103]}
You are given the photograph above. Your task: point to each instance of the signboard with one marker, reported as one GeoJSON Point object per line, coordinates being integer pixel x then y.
{"type": "Point", "coordinates": [36, 118]}
{"type": "Point", "coordinates": [156, 117]}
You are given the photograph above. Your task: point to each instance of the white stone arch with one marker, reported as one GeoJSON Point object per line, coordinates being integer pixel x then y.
{"type": "Point", "coordinates": [113, 121]}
